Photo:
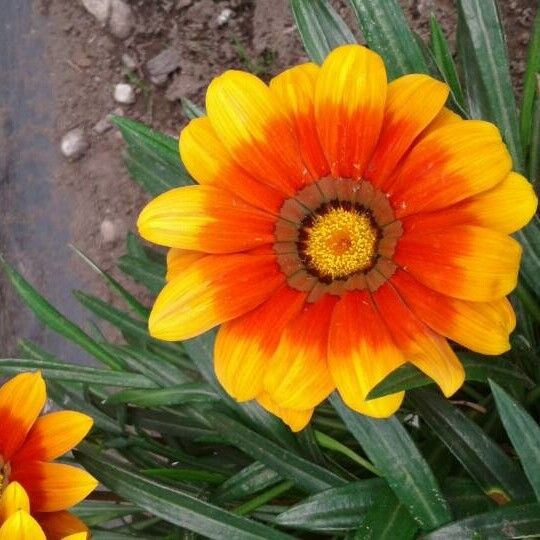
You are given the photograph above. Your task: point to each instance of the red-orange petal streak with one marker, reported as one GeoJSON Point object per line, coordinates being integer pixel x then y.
{"type": "Point", "coordinates": [59, 525]}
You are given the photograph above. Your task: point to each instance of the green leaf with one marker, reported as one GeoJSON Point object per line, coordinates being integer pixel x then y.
{"type": "Point", "coordinates": [465, 498]}
{"type": "Point", "coordinates": [320, 28]}
{"type": "Point", "coordinates": [445, 62]}
{"type": "Point", "coordinates": [186, 475]}
{"type": "Point", "coordinates": [151, 274]}
{"type": "Point", "coordinates": [507, 522]}
{"type": "Point", "coordinates": [97, 512]}
{"type": "Point", "coordinates": [306, 475]}
{"type": "Point", "coordinates": [477, 368]}
{"type": "Point", "coordinates": [529, 238]}
{"type": "Point", "coordinates": [174, 395]}
{"type": "Point", "coordinates": [51, 317]}
{"type": "Point", "coordinates": [484, 59]}
{"type": "Point", "coordinates": [484, 460]}
{"type": "Point", "coordinates": [534, 153]}
{"type": "Point", "coordinates": [62, 371]}
{"type": "Point", "coordinates": [387, 519]}
{"type": "Point", "coordinates": [173, 505]}
{"type": "Point", "coordinates": [190, 109]}
{"type": "Point", "coordinates": [391, 449]}
{"type": "Point", "coordinates": [152, 158]}
{"type": "Point", "coordinates": [524, 433]}
{"type": "Point", "coordinates": [530, 84]}
{"type": "Point", "coordinates": [248, 481]}
{"type": "Point", "coordinates": [386, 31]}
{"type": "Point", "coordinates": [334, 510]}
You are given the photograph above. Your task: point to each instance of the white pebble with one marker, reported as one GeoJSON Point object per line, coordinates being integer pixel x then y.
{"type": "Point", "coordinates": [121, 22]}
{"type": "Point", "coordinates": [100, 9]}
{"type": "Point", "coordinates": [108, 230]}
{"type": "Point", "coordinates": [74, 144]}
{"type": "Point", "coordinates": [224, 16]}
{"type": "Point", "coordinates": [124, 93]}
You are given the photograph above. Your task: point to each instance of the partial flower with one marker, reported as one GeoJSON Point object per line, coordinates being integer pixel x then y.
{"type": "Point", "coordinates": [35, 492]}
{"type": "Point", "coordinates": [342, 226]}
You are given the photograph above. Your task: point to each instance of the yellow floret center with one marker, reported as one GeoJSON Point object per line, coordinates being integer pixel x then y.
{"type": "Point", "coordinates": [341, 242]}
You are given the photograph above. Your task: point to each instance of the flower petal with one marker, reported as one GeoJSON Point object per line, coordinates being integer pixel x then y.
{"type": "Point", "coordinates": [210, 163]}
{"type": "Point", "coordinates": [211, 291]}
{"type": "Point", "coordinates": [295, 419]}
{"type": "Point", "coordinates": [413, 101]}
{"type": "Point", "coordinates": [178, 261]}
{"type": "Point", "coordinates": [479, 326]}
{"type": "Point", "coordinates": [244, 346]}
{"type": "Point", "coordinates": [256, 131]}
{"type": "Point", "coordinates": [452, 163]}
{"type": "Point", "coordinates": [467, 262]}
{"type": "Point", "coordinates": [297, 376]}
{"type": "Point", "coordinates": [53, 486]}
{"type": "Point", "coordinates": [349, 108]}
{"type": "Point", "coordinates": [13, 499]}
{"type": "Point", "coordinates": [204, 218]}
{"type": "Point", "coordinates": [53, 435]}
{"type": "Point", "coordinates": [295, 88]}
{"type": "Point", "coordinates": [21, 526]}
{"type": "Point", "coordinates": [428, 351]}
{"type": "Point", "coordinates": [21, 401]}
{"type": "Point", "coordinates": [62, 526]}
{"type": "Point", "coordinates": [361, 355]}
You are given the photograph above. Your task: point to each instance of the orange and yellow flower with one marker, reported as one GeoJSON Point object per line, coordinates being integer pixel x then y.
{"type": "Point", "coordinates": [342, 226]}
{"type": "Point", "coordinates": [34, 492]}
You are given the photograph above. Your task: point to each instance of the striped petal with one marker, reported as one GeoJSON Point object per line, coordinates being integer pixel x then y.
{"type": "Point", "coordinates": [244, 346]}
{"type": "Point", "coordinates": [349, 108]}
{"type": "Point", "coordinates": [467, 262]}
{"type": "Point", "coordinates": [178, 260]}
{"type": "Point", "coordinates": [483, 327]}
{"type": "Point", "coordinates": [211, 291]}
{"type": "Point", "coordinates": [413, 101]}
{"type": "Point", "coordinates": [427, 350]}
{"type": "Point", "coordinates": [13, 499]}
{"type": "Point", "coordinates": [295, 88]}
{"type": "Point", "coordinates": [53, 435]}
{"type": "Point", "coordinates": [21, 526]}
{"type": "Point", "coordinates": [298, 377]}
{"type": "Point", "coordinates": [210, 163]}
{"type": "Point", "coordinates": [296, 420]}
{"type": "Point", "coordinates": [362, 355]}
{"type": "Point", "coordinates": [204, 218]}
{"type": "Point", "coordinates": [53, 486]}
{"type": "Point", "coordinates": [451, 164]}
{"type": "Point", "coordinates": [21, 401]}
{"type": "Point", "coordinates": [63, 526]}
{"type": "Point", "coordinates": [256, 131]}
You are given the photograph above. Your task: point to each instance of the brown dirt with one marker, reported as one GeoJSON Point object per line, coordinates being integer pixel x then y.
{"type": "Point", "coordinates": [84, 62]}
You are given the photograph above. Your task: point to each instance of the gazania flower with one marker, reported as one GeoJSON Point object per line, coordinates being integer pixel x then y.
{"type": "Point", "coordinates": [34, 492]}
{"type": "Point", "coordinates": [342, 226]}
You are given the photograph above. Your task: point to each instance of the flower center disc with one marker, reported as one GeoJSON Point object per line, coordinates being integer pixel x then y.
{"type": "Point", "coordinates": [340, 242]}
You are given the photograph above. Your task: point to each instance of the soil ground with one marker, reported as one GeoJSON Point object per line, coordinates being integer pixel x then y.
{"type": "Point", "coordinates": [65, 65]}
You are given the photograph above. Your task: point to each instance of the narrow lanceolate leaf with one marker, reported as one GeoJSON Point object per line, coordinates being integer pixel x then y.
{"type": "Point", "coordinates": [524, 432]}
{"type": "Point", "coordinates": [190, 109]}
{"type": "Point", "coordinates": [149, 273]}
{"type": "Point", "coordinates": [477, 368]}
{"type": "Point", "coordinates": [320, 27]}
{"type": "Point", "coordinates": [530, 83]}
{"type": "Point", "coordinates": [173, 505]}
{"type": "Point", "coordinates": [152, 158]}
{"type": "Point", "coordinates": [534, 152]}
{"type": "Point", "coordinates": [530, 263]}
{"type": "Point", "coordinates": [306, 475]}
{"type": "Point", "coordinates": [445, 62]}
{"type": "Point", "coordinates": [485, 61]}
{"type": "Point", "coordinates": [387, 519]}
{"type": "Point", "coordinates": [386, 31]}
{"type": "Point", "coordinates": [492, 469]}
{"type": "Point", "coordinates": [334, 510]}
{"type": "Point", "coordinates": [61, 371]}
{"type": "Point", "coordinates": [507, 522]}
{"type": "Point", "coordinates": [392, 451]}
{"type": "Point", "coordinates": [163, 397]}
{"type": "Point", "coordinates": [50, 316]}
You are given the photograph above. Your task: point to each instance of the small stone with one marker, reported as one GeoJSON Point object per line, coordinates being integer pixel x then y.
{"type": "Point", "coordinates": [124, 93]}
{"type": "Point", "coordinates": [182, 4]}
{"type": "Point", "coordinates": [103, 125]}
{"type": "Point", "coordinates": [121, 22]}
{"type": "Point", "coordinates": [224, 16]}
{"type": "Point", "coordinates": [100, 9]}
{"type": "Point", "coordinates": [162, 65]}
{"type": "Point", "coordinates": [74, 144]}
{"type": "Point", "coordinates": [109, 231]}
{"type": "Point", "coordinates": [129, 62]}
